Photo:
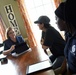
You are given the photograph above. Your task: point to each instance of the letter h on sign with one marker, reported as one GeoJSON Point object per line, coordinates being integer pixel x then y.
{"type": "Point", "coordinates": [11, 18]}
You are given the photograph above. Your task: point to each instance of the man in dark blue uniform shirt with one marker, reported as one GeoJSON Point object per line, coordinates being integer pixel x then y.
{"type": "Point", "coordinates": [66, 21]}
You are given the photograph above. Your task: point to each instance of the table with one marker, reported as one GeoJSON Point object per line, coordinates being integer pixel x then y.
{"type": "Point", "coordinates": [18, 65]}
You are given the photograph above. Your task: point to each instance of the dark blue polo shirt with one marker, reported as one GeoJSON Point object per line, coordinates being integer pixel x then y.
{"type": "Point", "coordinates": [8, 43]}
{"type": "Point", "coordinates": [70, 53]}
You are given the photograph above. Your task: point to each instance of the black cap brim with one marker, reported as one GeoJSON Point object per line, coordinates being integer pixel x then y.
{"type": "Point", "coordinates": [36, 22]}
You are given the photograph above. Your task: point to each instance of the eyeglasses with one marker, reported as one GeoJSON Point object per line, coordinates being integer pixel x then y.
{"type": "Point", "coordinates": [11, 32]}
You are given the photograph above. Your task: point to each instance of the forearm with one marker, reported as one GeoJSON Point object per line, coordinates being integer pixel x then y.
{"type": "Point", "coordinates": [64, 66]}
{"type": "Point", "coordinates": [62, 69]}
{"type": "Point", "coordinates": [45, 51]}
{"type": "Point", "coordinates": [9, 50]}
{"type": "Point", "coordinates": [44, 47]}
{"type": "Point", "coordinates": [6, 52]}
{"type": "Point", "coordinates": [42, 41]}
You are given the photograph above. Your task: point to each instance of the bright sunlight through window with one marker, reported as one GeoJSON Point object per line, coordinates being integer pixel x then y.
{"type": "Point", "coordinates": [37, 8]}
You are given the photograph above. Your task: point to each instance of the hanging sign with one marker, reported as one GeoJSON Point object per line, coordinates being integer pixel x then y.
{"type": "Point", "coordinates": [11, 18]}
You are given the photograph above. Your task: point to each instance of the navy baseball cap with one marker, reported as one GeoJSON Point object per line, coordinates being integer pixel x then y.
{"type": "Point", "coordinates": [43, 19]}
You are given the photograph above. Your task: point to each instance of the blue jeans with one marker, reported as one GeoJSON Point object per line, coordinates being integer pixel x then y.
{"type": "Point", "coordinates": [56, 61]}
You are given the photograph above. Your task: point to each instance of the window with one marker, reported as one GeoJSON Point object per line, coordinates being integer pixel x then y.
{"type": "Point", "coordinates": [1, 41]}
{"type": "Point", "coordinates": [37, 8]}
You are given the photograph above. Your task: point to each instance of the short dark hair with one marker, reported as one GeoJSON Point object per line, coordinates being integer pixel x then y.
{"type": "Point", "coordinates": [60, 11]}
{"type": "Point", "coordinates": [47, 25]}
{"type": "Point", "coordinates": [70, 12]}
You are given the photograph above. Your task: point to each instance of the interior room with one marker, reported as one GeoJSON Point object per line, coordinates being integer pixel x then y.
{"type": "Point", "coordinates": [20, 15]}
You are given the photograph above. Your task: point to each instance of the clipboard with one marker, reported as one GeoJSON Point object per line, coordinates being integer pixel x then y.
{"type": "Point", "coordinates": [41, 66]}
{"type": "Point", "coordinates": [20, 48]}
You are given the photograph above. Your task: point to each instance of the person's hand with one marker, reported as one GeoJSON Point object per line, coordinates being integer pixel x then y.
{"type": "Point", "coordinates": [42, 41]}
{"type": "Point", "coordinates": [12, 47]}
{"type": "Point", "coordinates": [45, 47]}
{"type": "Point", "coordinates": [7, 52]}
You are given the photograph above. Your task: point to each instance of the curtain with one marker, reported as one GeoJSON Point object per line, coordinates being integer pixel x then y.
{"type": "Point", "coordinates": [57, 2]}
{"type": "Point", "coordinates": [28, 26]}
{"type": "Point", "coordinates": [2, 29]}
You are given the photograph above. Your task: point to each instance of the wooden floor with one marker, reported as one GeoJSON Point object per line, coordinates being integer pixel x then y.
{"type": "Point", "coordinates": [18, 65]}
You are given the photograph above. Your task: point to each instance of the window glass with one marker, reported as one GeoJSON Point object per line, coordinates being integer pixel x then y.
{"type": "Point", "coordinates": [37, 8]}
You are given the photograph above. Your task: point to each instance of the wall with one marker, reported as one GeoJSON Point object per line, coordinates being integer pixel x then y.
{"type": "Point", "coordinates": [17, 14]}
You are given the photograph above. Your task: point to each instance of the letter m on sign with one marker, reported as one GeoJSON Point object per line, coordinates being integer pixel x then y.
{"type": "Point", "coordinates": [11, 18]}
